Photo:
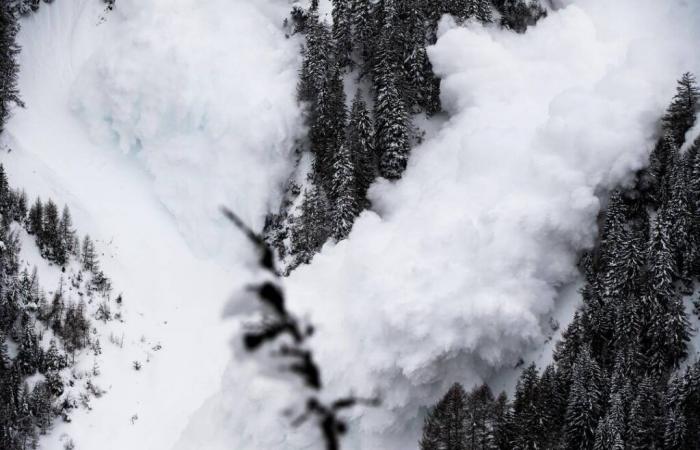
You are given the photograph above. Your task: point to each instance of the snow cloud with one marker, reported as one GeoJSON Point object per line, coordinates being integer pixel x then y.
{"type": "Point", "coordinates": [455, 274]}
{"type": "Point", "coordinates": [203, 95]}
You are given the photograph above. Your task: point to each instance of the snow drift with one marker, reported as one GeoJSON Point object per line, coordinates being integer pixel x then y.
{"type": "Point", "coordinates": [455, 273]}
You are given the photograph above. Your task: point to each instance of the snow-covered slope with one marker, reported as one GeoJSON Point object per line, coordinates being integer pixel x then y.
{"type": "Point", "coordinates": [144, 123]}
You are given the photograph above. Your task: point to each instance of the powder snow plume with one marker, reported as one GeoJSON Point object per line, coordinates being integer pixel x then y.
{"type": "Point", "coordinates": [455, 274]}
{"type": "Point", "coordinates": [203, 94]}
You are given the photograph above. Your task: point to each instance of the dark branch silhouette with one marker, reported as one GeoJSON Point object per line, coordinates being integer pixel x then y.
{"type": "Point", "coordinates": [299, 360]}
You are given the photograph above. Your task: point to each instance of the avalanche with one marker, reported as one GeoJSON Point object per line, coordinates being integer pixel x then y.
{"type": "Point", "coordinates": [146, 119]}
{"type": "Point", "coordinates": [456, 272]}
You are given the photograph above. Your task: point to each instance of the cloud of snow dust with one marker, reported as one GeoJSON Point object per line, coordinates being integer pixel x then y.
{"type": "Point", "coordinates": [203, 95]}
{"type": "Point", "coordinates": [455, 274]}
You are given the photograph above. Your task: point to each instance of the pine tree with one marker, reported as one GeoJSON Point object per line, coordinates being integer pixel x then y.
{"type": "Point", "coordinates": [517, 15]}
{"type": "Point", "coordinates": [343, 194]}
{"type": "Point", "coordinates": [66, 236]}
{"type": "Point", "coordinates": [20, 207]}
{"type": "Point", "coordinates": [312, 227]}
{"type": "Point", "coordinates": [392, 131]}
{"type": "Point", "coordinates": [551, 406]}
{"type": "Point", "coordinates": [36, 220]}
{"type": "Point", "coordinates": [584, 403]}
{"type": "Point", "coordinates": [342, 32]}
{"type": "Point", "coordinates": [675, 430]}
{"type": "Point", "coordinates": [420, 87]}
{"type": "Point", "coordinates": [40, 405]}
{"type": "Point", "coordinates": [661, 163]}
{"type": "Point", "coordinates": [5, 197]}
{"type": "Point", "coordinates": [682, 112]}
{"type": "Point", "coordinates": [444, 426]}
{"type": "Point", "coordinates": [89, 257]}
{"type": "Point", "coordinates": [502, 436]}
{"type": "Point", "coordinates": [610, 432]}
{"type": "Point", "coordinates": [483, 11]}
{"type": "Point", "coordinates": [458, 8]}
{"type": "Point", "coordinates": [9, 69]}
{"type": "Point", "coordinates": [643, 424]}
{"type": "Point", "coordinates": [360, 143]}
{"type": "Point", "coordinates": [481, 419]}
{"type": "Point", "coordinates": [526, 421]}
{"type": "Point", "coordinates": [328, 122]}
{"type": "Point", "coordinates": [567, 349]}
{"type": "Point", "coordinates": [690, 403]}
{"type": "Point", "coordinates": [667, 324]}
{"type": "Point", "coordinates": [361, 17]}
{"type": "Point", "coordinates": [317, 52]}
{"type": "Point", "coordinates": [480, 10]}
{"type": "Point", "coordinates": [50, 238]}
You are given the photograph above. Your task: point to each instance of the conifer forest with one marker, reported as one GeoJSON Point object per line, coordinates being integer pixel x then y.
{"type": "Point", "coordinates": [349, 224]}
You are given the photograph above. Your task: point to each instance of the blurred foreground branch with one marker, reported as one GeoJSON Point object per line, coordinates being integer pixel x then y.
{"type": "Point", "coordinates": [277, 323]}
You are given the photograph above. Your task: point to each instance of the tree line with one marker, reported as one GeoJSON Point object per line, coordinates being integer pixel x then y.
{"type": "Point", "coordinates": [381, 48]}
{"type": "Point", "coordinates": [621, 376]}
{"type": "Point", "coordinates": [28, 318]}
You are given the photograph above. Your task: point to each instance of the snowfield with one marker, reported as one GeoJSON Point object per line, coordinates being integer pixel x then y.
{"type": "Point", "coordinates": [146, 120]}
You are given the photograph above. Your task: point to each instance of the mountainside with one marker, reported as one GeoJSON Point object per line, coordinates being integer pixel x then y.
{"type": "Point", "coordinates": [87, 102]}
{"type": "Point", "coordinates": [492, 143]}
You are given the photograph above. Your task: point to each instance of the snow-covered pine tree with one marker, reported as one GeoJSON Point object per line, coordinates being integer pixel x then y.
{"type": "Point", "coordinates": [391, 121]}
{"type": "Point", "coordinates": [360, 143]}
{"type": "Point", "coordinates": [584, 402]}
{"type": "Point", "coordinates": [457, 8]}
{"type": "Point", "coordinates": [643, 424]}
{"type": "Point", "coordinates": [661, 163]}
{"type": "Point", "coordinates": [36, 220]}
{"type": "Point", "coordinates": [483, 11]}
{"type": "Point", "coordinates": [317, 53]}
{"type": "Point", "coordinates": [479, 10]}
{"type": "Point", "coordinates": [343, 194]}
{"type": "Point", "coordinates": [610, 432]}
{"type": "Point", "coordinates": [675, 430]}
{"type": "Point", "coordinates": [668, 326]}
{"type": "Point", "coordinates": [689, 402]}
{"type": "Point", "coordinates": [420, 86]}
{"type": "Point", "coordinates": [517, 15]}
{"type": "Point", "coordinates": [5, 196]}
{"type": "Point", "coordinates": [50, 235]}
{"type": "Point", "coordinates": [66, 235]}
{"type": "Point", "coordinates": [681, 218]}
{"type": "Point", "coordinates": [480, 423]}
{"type": "Point", "coordinates": [328, 124]}
{"type": "Point", "coordinates": [683, 110]}
{"type": "Point", "coordinates": [526, 423]}
{"type": "Point", "coordinates": [9, 69]}
{"type": "Point", "coordinates": [312, 228]}
{"type": "Point", "coordinates": [362, 21]}
{"type": "Point", "coordinates": [551, 406]}
{"type": "Point", "coordinates": [444, 426]}
{"type": "Point", "coordinates": [342, 32]}
{"type": "Point", "coordinates": [88, 255]}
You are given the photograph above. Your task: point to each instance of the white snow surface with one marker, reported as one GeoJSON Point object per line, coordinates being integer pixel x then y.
{"type": "Point", "coordinates": [144, 124]}
{"type": "Point", "coordinates": [456, 273]}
